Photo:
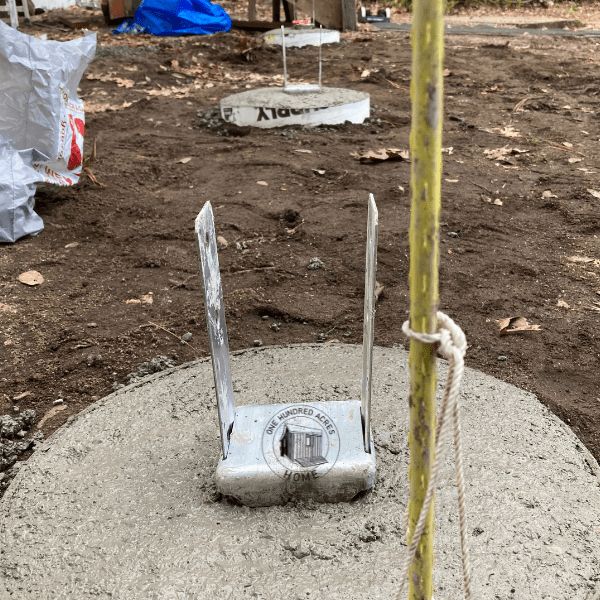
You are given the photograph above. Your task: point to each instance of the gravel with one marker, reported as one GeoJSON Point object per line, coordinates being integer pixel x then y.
{"type": "Point", "coordinates": [154, 365]}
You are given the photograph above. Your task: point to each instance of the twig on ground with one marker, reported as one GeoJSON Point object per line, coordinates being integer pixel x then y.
{"type": "Point", "coordinates": [197, 352]}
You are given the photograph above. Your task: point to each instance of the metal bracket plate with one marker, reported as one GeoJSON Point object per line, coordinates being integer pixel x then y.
{"type": "Point", "coordinates": [273, 453]}
{"type": "Point", "coordinates": [279, 452]}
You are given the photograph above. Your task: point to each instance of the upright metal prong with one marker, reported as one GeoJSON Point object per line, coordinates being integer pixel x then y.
{"type": "Point", "coordinates": [369, 318]}
{"type": "Point", "coordinates": [285, 73]}
{"type": "Point", "coordinates": [320, 54]}
{"type": "Point", "coordinates": [14, 15]}
{"type": "Point", "coordinates": [215, 322]}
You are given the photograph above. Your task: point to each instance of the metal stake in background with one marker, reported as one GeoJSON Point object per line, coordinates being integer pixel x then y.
{"type": "Point", "coordinates": [272, 453]}
{"type": "Point", "coordinates": [302, 88]}
{"type": "Point", "coordinates": [285, 74]}
{"type": "Point", "coordinates": [12, 11]}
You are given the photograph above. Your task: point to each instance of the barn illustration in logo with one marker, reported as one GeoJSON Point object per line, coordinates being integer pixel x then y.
{"type": "Point", "coordinates": [303, 445]}
{"type": "Point", "coordinates": [300, 443]}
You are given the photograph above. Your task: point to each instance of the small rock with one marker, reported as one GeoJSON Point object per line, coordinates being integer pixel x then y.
{"type": "Point", "coordinates": [265, 317]}
{"type": "Point", "coordinates": [315, 263]}
{"type": "Point", "coordinates": [321, 337]}
{"type": "Point", "coordinates": [21, 434]}
{"type": "Point", "coordinates": [58, 401]}
{"type": "Point", "coordinates": [222, 243]}
{"type": "Point", "coordinates": [156, 365]}
{"type": "Point", "coordinates": [502, 358]}
{"type": "Point", "coordinates": [94, 360]}
{"type": "Point", "coordinates": [275, 326]}
{"type": "Point", "coordinates": [186, 337]}
{"type": "Point", "coordinates": [452, 234]}
{"type": "Point", "coordinates": [257, 343]}
{"type": "Point", "coordinates": [92, 325]}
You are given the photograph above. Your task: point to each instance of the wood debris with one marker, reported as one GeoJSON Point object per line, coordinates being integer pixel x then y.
{"type": "Point", "coordinates": [512, 325]}
{"type": "Point", "coordinates": [381, 155]}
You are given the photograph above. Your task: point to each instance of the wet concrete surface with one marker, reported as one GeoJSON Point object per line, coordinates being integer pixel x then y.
{"type": "Point", "coordinates": [121, 503]}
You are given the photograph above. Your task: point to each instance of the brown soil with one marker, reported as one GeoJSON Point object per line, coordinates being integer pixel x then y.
{"type": "Point", "coordinates": [75, 336]}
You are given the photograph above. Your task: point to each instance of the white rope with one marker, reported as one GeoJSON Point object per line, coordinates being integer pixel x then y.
{"type": "Point", "coordinates": [452, 347]}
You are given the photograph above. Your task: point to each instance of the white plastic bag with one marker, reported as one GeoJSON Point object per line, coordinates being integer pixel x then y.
{"type": "Point", "coordinates": [39, 106]}
{"type": "Point", "coordinates": [42, 122]}
{"type": "Point", "coordinates": [17, 188]}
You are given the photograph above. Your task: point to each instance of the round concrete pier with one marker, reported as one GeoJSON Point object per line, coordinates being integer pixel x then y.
{"type": "Point", "coordinates": [121, 503]}
{"type": "Point", "coordinates": [274, 107]}
{"type": "Point", "coordinates": [303, 36]}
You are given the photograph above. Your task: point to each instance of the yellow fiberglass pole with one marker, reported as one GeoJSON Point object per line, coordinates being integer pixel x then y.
{"type": "Point", "coordinates": [426, 166]}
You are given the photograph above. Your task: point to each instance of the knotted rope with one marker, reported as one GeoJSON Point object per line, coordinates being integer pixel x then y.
{"type": "Point", "coordinates": [452, 347]}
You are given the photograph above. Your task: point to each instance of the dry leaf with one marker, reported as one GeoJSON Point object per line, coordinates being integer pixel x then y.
{"type": "Point", "coordinates": [567, 144]}
{"type": "Point", "coordinates": [574, 160]}
{"type": "Point", "coordinates": [22, 396]}
{"type": "Point", "coordinates": [125, 83]}
{"type": "Point", "coordinates": [508, 131]}
{"type": "Point", "coordinates": [31, 278]}
{"type": "Point", "coordinates": [594, 193]}
{"type": "Point", "coordinates": [51, 413]}
{"type": "Point", "coordinates": [581, 259]}
{"type": "Point", "coordinates": [185, 160]}
{"type": "Point", "coordinates": [381, 155]}
{"type": "Point", "coordinates": [449, 150]}
{"type": "Point", "coordinates": [563, 304]}
{"type": "Point", "coordinates": [548, 194]}
{"type": "Point", "coordinates": [97, 107]}
{"type": "Point", "coordinates": [72, 245]}
{"type": "Point", "coordinates": [495, 201]}
{"type": "Point", "coordinates": [366, 73]}
{"type": "Point", "coordinates": [502, 153]}
{"type": "Point", "coordinates": [303, 151]}
{"type": "Point", "coordinates": [262, 183]}
{"type": "Point", "coordinates": [515, 325]}
{"type": "Point", "coordinates": [145, 299]}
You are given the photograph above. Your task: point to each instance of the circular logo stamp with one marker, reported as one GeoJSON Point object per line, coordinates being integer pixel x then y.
{"type": "Point", "coordinates": [300, 443]}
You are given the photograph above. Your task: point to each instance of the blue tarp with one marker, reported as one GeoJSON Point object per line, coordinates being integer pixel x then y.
{"type": "Point", "coordinates": [177, 17]}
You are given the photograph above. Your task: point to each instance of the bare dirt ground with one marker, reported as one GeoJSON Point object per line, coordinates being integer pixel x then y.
{"type": "Point", "coordinates": [519, 237]}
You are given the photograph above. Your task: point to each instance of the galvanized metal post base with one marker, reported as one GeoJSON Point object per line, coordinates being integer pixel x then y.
{"type": "Point", "coordinates": [275, 453]}
{"type": "Point", "coordinates": [278, 453]}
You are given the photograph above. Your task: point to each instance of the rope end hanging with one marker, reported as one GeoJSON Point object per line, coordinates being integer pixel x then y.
{"type": "Point", "coordinates": [452, 345]}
